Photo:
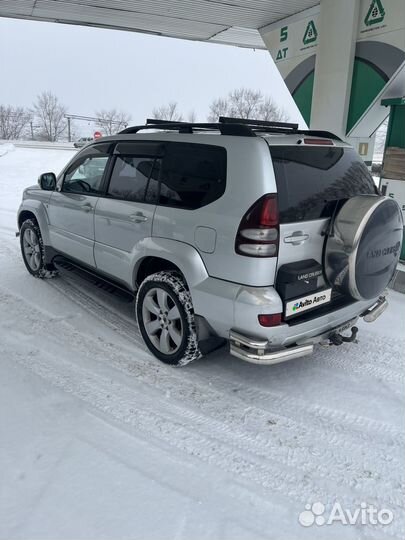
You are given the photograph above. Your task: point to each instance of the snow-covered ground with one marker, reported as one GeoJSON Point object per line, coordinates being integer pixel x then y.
{"type": "Point", "coordinates": [99, 440]}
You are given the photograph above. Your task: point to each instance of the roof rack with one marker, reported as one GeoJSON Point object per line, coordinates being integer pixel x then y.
{"type": "Point", "coordinates": [191, 127]}
{"type": "Point", "coordinates": [258, 123]}
{"type": "Point", "coordinates": [243, 127]}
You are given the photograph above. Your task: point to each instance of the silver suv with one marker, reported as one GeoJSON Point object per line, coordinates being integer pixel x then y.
{"type": "Point", "coordinates": [254, 233]}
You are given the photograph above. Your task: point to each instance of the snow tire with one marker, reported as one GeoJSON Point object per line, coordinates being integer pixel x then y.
{"type": "Point", "coordinates": [30, 229]}
{"type": "Point", "coordinates": [172, 284]}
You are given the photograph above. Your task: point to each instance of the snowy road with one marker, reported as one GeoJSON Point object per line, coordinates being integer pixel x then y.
{"type": "Point", "coordinates": [99, 440]}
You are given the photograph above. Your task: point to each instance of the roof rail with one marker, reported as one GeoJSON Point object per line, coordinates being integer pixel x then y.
{"type": "Point", "coordinates": [243, 127]}
{"type": "Point", "coordinates": [191, 127]}
{"type": "Point", "coordinates": [268, 126]}
{"type": "Point", "coordinates": [257, 123]}
{"type": "Point", "coordinates": [159, 121]}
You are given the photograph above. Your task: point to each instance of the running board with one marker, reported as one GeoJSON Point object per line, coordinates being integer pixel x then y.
{"type": "Point", "coordinates": [65, 265]}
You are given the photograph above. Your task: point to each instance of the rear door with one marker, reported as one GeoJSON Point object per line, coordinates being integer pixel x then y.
{"type": "Point", "coordinates": [124, 215]}
{"type": "Point", "coordinates": [71, 207]}
{"type": "Point", "coordinates": [312, 183]}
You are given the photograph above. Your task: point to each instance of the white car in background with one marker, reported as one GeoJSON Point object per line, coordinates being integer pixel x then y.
{"type": "Point", "coordinates": [82, 142]}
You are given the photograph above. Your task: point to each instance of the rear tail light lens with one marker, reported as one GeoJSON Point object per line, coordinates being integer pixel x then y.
{"type": "Point", "coordinates": [270, 320]}
{"type": "Point", "coordinates": [258, 250]}
{"type": "Point", "coordinates": [258, 233]}
{"type": "Point", "coordinates": [268, 211]}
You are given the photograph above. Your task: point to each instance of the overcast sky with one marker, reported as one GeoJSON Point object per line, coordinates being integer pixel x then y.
{"type": "Point", "coordinates": [92, 68]}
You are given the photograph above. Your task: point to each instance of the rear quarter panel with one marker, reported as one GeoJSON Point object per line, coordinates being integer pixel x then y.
{"type": "Point", "coordinates": [249, 176]}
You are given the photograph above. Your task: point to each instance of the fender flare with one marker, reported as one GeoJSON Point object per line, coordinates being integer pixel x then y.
{"type": "Point", "coordinates": [38, 209]}
{"type": "Point", "coordinates": [182, 255]}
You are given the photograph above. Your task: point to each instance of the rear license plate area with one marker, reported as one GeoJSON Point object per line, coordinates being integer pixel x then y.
{"type": "Point", "coordinates": [295, 307]}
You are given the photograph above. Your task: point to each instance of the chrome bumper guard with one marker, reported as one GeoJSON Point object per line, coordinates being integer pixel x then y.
{"type": "Point", "coordinates": [375, 311]}
{"type": "Point", "coordinates": [257, 352]}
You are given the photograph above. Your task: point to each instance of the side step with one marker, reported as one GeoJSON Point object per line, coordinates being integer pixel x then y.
{"type": "Point", "coordinates": [66, 266]}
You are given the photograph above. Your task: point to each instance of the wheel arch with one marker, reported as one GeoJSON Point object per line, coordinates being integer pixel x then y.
{"type": "Point", "coordinates": [152, 264]}
{"type": "Point", "coordinates": [24, 215]}
{"type": "Point", "coordinates": [35, 210]}
{"type": "Point", "coordinates": [166, 254]}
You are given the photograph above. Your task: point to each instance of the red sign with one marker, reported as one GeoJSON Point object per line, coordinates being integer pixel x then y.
{"type": "Point", "coordinates": [97, 134]}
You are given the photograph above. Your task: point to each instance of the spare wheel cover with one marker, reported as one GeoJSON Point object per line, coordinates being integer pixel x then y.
{"type": "Point", "coordinates": [362, 251]}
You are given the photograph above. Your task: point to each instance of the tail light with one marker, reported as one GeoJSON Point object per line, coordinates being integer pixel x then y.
{"type": "Point", "coordinates": [258, 232]}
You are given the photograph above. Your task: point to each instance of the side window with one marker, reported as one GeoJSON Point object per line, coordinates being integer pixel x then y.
{"type": "Point", "coordinates": [193, 175]}
{"type": "Point", "coordinates": [85, 175]}
{"type": "Point", "coordinates": [134, 179]}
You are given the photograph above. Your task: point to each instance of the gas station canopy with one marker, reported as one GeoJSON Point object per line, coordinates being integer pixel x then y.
{"type": "Point", "coordinates": [232, 22]}
{"type": "Point", "coordinates": [338, 58]}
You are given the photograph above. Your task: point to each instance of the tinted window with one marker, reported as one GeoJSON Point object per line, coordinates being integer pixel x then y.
{"type": "Point", "coordinates": [152, 191]}
{"type": "Point", "coordinates": [193, 175]}
{"type": "Point", "coordinates": [130, 178]}
{"type": "Point", "coordinates": [140, 148]}
{"type": "Point", "coordinates": [311, 180]}
{"type": "Point", "coordinates": [85, 175]}
{"type": "Point", "coordinates": [97, 149]}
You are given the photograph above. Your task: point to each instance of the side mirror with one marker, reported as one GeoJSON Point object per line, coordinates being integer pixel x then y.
{"type": "Point", "coordinates": [47, 181]}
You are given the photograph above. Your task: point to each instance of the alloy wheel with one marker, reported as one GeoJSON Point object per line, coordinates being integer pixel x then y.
{"type": "Point", "coordinates": [162, 320]}
{"type": "Point", "coordinates": [32, 249]}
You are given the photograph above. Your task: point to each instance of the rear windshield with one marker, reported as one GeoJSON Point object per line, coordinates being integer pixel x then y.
{"type": "Point", "coordinates": [310, 181]}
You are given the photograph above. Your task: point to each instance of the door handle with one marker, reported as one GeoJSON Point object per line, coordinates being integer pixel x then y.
{"type": "Point", "coordinates": [87, 207]}
{"type": "Point", "coordinates": [297, 238]}
{"type": "Point", "coordinates": [138, 217]}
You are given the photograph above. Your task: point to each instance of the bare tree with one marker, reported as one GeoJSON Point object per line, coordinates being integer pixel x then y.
{"type": "Point", "coordinates": [111, 121]}
{"type": "Point", "coordinates": [168, 112]}
{"type": "Point", "coordinates": [51, 115]}
{"type": "Point", "coordinates": [219, 107]}
{"type": "Point", "coordinates": [246, 103]}
{"type": "Point", "coordinates": [13, 121]}
{"type": "Point", "coordinates": [268, 110]}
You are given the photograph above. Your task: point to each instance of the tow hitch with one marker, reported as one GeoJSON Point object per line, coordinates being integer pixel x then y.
{"type": "Point", "coordinates": [338, 339]}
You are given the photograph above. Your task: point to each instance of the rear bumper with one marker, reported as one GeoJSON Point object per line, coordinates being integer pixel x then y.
{"type": "Point", "coordinates": [261, 351]}
{"type": "Point", "coordinates": [228, 306]}
{"type": "Point", "coordinates": [300, 333]}
{"type": "Point", "coordinates": [254, 351]}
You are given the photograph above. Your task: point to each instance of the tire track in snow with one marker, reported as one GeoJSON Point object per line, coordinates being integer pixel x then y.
{"type": "Point", "coordinates": [340, 436]}
{"type": "Point", "coordinates": [117, 401]}
{"type": "Point", "coordinates": [359, 363]}
{"type": "Point", "coordinates": [119, 324]}
{"type": "Point", "coordinates": [290, 443]}
{"type": "Point", "coordinates": [343, 423]}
